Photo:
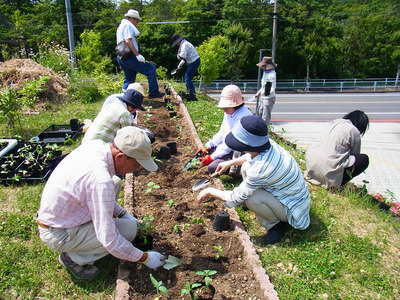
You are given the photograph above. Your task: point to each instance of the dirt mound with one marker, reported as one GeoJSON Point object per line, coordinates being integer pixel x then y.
{"type": "Point", "coordinates": [18, 71]}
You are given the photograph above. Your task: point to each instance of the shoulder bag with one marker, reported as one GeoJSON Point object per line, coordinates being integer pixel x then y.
{"type": "Point", "coordinates": [123, 51]}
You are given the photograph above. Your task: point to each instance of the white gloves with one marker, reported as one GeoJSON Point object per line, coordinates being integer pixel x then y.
{"type": "Point", "coordinates": [140, 58]}
{"type": "Point", "coordinates": [154, 260]}
{"type": "Point", "coordinates": [181, 63]}
{"type": "Point", "coordinates": [130, 217]}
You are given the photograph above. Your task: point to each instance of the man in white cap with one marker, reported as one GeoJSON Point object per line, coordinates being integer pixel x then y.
{"type": "Point", "coordinates": [268, 87]}
{"type": "Point", "coordinates": [79, 215]}
{"type": "Point", "coordinates": [135, 63]}
{"type": "Point", "coordinates": [216, 151]}
{"type": "Point", "coordinates": [273, 185]}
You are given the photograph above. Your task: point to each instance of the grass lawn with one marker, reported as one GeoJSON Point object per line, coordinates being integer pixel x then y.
{"type": "Point", "coordinates": [350, 251]}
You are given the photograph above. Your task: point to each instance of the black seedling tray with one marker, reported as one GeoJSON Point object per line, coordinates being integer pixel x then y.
{"type": "Point", "coordinates": [57, 134]}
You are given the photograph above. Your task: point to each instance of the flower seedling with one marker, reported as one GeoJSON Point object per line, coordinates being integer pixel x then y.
{"type": "Point", "coordinates": [145, 228]}
{"type": "Point", "coordinates": [189, 288]}
{"type": "Point", "coordinates": [206, 274]}
{"type": "Point", "coordinates": [171, 202]}
{"type": "Point", "coordinates": [159, 287]}
{"type": "Point", "coordinates": [220, 251]}
{"type": "Point", "coordinates": [151, 185]}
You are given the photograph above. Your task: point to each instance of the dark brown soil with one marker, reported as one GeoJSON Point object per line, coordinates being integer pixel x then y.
{"type": "Point", "coordinates": [195, 239]}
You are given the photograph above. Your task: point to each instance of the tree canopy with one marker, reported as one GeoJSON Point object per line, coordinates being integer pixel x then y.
{"type": "Point", "coordinates": [329, 38]}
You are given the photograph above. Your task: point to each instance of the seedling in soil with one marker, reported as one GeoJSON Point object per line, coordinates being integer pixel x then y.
{"type": "Point", "coordinates": [145, 228]}
{"type": "Point", "coordinates": [171, 202]}
{"type": "Point", "coordinates": [195, 221]}
{"type": "Point", "coordinates": [151, 185]}
{"type": "Point", "coordinates": [206, 274]}
{"type": "Point", "coordinates": [189, 288]}
{"type": "Point", "coordinates": [220, 251]}
{"type": "Point", "coordinates": [160, 288]}
{"type": "Point", "coordinates": [68, 140]}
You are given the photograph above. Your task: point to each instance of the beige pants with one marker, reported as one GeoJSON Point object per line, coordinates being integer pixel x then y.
{"type": "Point", "coordinates": [267, 208]}
{"type": "Point", "coordinates": [265, 108]}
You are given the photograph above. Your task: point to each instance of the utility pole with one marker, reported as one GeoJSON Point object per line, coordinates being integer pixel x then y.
{"type": "Point", "coordinates": [70, 33]}
{"type": "Point", "coordinates": [274, 26]}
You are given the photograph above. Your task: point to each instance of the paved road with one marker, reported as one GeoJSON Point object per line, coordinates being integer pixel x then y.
{"type": "Point", "coordinates": [300, 118]}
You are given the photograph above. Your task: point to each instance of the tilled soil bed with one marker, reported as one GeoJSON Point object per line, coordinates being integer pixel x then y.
{"type": "Point", "coordinates": [183, 228]}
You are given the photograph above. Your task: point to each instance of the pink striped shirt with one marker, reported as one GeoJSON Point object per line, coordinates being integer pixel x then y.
{"type": "Point", "coordinates": [81, 190]}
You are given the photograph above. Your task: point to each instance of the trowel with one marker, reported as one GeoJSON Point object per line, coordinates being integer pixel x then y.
{"type": "Point", "coordinates": [202, 183]}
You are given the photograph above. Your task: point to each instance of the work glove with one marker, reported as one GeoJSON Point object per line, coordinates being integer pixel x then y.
{"type": "Point", "coordinates": [206, 160]}
{"type": "Point", "coordinates": [130, 217]}
{"type": "Point", "coordinates": [181, 63]}
{"type": "Point", "coordinates": [178, 57]}
{"type": "Point", "coordinates": [203, 150]}
{"type": "Point", "coordinates": [140, 58]}
{"type": "Point", "coordinates": [154, 260]}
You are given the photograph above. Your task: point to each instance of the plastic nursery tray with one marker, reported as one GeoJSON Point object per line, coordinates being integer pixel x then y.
{"type": "Point", "coordinates": [14, 177]}
{"type": "Point", "coordinates": [11, 144]}
{"type": "Point", "coordinates": [57, 134]}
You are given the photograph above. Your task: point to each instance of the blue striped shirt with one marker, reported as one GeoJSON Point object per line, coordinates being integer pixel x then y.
{"type": "Point", "coordinates": [277, 172]}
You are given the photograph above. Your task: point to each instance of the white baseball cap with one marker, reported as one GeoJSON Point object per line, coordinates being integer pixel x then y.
{"type": "Point", "coordinates": [133, 14]}
{"type": "Point", "coordinates": [136, 86]}
{"type": "Point", "coordinates": [135, 143]}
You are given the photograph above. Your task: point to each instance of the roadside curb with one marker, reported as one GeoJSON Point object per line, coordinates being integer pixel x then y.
{"type": "Point", "coordinates": [253, 259]}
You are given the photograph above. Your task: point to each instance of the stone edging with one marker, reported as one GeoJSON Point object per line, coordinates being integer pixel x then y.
{"type": "Point", "coordinates": [122, 285]}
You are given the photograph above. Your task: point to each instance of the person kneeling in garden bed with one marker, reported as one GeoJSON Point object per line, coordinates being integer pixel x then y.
{"type": "Point", "coordinates": [79, 215]}
{"type": "Point", "coordinates": [273, 186]}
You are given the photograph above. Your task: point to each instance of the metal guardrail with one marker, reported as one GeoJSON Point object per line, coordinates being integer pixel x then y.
{"type": "Point", "coordinates": [313, 84]}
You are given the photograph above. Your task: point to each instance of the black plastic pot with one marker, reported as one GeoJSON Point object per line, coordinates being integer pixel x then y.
{"type": "Point", "coordinates": [165, 152]}
{"type": "Point", "coordinates": [203, 292]}
{"type": "Point", "coordinates": [144, 243]}
{"type": "Point", "coordinates": [172, 114]}
{"type": "Point", "coordinates": [172, 147]}
{"type": "Point", "coordinates": [74, 123]}
{"type": "Point", "coordinates": [221, 221]}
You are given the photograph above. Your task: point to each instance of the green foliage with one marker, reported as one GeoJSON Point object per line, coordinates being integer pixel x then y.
{"type": "Point", "coordinates": [189, 288]}
{"type": "Point", "coordinates": [16, 226]}
{"type": "Point", "coordinates": [207, 276]}
{"type": "Point", "coordinates": [12, 102]}
{"type": "Point", "coordinates": [160, 288]}
{"type": "Point", "coordinates": [220, 251]}
{"type": "Point", "coordinates": [151, 186]}
{"type": "Point", "coordinates": [88, 54]}
{"type": "Point", "coordinates": [53, 56]}
{"type": "Point", "coordinates": [84, 90]}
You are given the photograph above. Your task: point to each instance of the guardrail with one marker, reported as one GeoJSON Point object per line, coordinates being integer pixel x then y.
{"type": "Point", "coordinates": [313, 84]}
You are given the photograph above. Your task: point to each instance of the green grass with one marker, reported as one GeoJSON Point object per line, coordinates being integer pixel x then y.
{"type": "Point", "coordinates": [350, 250]}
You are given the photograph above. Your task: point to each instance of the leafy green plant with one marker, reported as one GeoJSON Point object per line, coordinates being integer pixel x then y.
{"type": "Point", "coordinates": [151, 186]}
{"type": "Point", "coordinates": [159, 287]}
{"type": "Point", "coordinates": [171, 202]}
{"type": "Point", "coordinates": [84, 90]}
{"type": "Point", "coordinates": [68, 140]}
{"type": "Point", "coordinates": [145, 228]}
{"type": "Point", "coordinates": [189, 288]}
{"type": "Point", "coordinates": [220, 251]}
{"type": "Point", "coordinates": [206, 276]}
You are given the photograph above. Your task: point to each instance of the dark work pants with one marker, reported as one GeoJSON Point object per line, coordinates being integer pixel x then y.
{"type": "Point", "coordinates": [361, 163]}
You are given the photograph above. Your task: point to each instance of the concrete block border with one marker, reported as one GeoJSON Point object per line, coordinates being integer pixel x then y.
{"type": "Point", "coordinates": [122, 286]}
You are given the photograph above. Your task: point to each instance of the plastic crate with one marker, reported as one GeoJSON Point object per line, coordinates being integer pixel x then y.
{"type": "Point", "coordinates": [57, 134]}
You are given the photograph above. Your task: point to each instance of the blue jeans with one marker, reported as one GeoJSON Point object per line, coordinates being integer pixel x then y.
{"type": "Point", "coordinates": [132, 66]}
{"type": "Point", "coordinates": [191, 70]}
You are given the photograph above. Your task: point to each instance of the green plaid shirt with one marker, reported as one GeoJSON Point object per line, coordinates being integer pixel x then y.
{"type": "Point", "coordinates": [111, 118]}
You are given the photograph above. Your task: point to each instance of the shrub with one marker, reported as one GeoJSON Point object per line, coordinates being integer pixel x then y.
{"type": "Point", "coordinates": [85, 90]}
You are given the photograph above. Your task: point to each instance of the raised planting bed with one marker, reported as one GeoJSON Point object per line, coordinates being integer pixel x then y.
{"type": "Point", "coordinates": [29, 162]}
{"type": "Point", "coordinates": [182, 228]}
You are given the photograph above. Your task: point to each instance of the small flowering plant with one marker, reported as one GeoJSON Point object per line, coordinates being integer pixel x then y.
{"type": "Point", "coordinates": [390, 200]}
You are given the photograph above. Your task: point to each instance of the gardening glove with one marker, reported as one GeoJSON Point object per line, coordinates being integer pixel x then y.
{"type": "Point", "coordinates": [154, 260]}
{"type": "Point", "coordinates": [206, 160]}
{"type": "Point", "coordinates": [203, 150]}
{"type": "Point", "coordinates": [181, 63]}
{"type": "Point", "coordinates": [130, 217]}
{"type": "Point", "coordinates": [140, 58]}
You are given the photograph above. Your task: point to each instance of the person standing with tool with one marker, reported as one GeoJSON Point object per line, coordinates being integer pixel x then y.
{"type": "Point", "coordinates": [268, 87]}
{"type": "Point", "coordinates": [135, 63]}
{"type": "Point", "coordinates": [79, 215]}
{"type": "Point", "coordinates": [188, 53]}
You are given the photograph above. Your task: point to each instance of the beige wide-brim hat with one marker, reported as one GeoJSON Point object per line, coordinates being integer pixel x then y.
{"type": "Point", "coordinates": [133, 14]}
{"type": "Point", "coordinates": [231, 96]}
{"type": "Point", "coordinates": [135, 143]}
{"type": "Point", "coordinates": [267, 63]}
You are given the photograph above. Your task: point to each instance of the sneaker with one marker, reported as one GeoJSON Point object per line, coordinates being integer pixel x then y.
{"type": "Point", "coordinates": [183, 95]}
{"type": "Point", "coordinates": [78, 271]}
{"type": "Point", "coordinates": [275, 234]}
{"type": "Point", "coordinates": [159, 95]}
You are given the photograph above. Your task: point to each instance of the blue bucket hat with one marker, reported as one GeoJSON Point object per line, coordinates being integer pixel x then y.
{"type": "Point", "coordinates": [250, 134]}
{"type": "Point", "coordinates": [134, 98]}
